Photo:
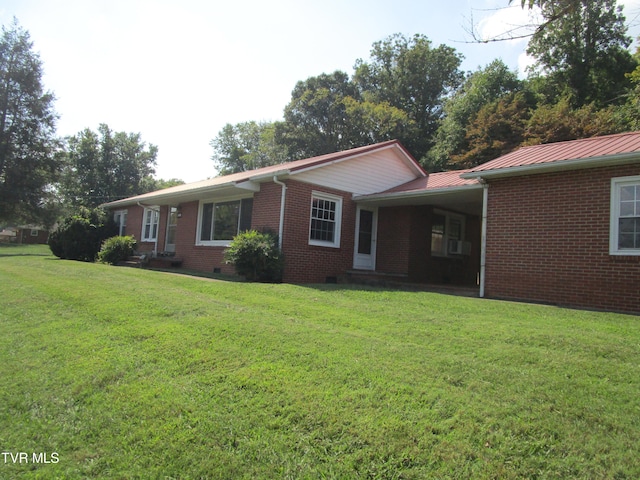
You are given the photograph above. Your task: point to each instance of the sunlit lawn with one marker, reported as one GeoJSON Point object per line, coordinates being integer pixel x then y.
{"type": "Point", "coordinates": [130, 373]}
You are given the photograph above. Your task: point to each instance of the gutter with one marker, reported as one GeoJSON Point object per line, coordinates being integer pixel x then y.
{"type": "Point", "coordinates": [282, 200]}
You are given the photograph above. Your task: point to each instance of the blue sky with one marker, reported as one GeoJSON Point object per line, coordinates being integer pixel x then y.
{"type": "Point", "coordinates": [177, 72]}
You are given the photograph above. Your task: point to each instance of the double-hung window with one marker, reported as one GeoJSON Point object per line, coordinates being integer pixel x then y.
{"type": "Point", "coordinates": [447, 233]}
{"type": "Point", "coordinates": [219, 222]}
{"type": "Point", "coordinates": [625, 216]}
{"type": "Point", "coordinates": [326, 219]}
{"type": "Point", "coordinates": [150, 219]}
{"type": "Point", "coordinates": [120, 217]}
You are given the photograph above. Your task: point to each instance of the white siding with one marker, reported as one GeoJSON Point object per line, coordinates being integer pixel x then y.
{"type": "Point", "coordinates": [371, 173]}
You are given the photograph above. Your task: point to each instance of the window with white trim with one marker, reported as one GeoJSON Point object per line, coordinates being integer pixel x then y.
{"type": "Point", "coordinates": [326, 220]}
{"type": "Point", "coordinates": [219, 222]}
{"type": "Point", "coordinates": [625, 216]}
{"type": "Point", "coordinates": [150, 219]}
{"type": "Point", "coordinates": [447, 233]}
{"type": "Point", "coordinates": [120, 217]}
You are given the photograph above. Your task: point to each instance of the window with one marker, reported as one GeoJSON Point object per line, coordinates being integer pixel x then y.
{"type": "Point", "coordinates": [625, 216]}
{"type": "Point", "coordinates": [447, 233]}
{"type": "Point", "coordinates": [219, 222]}
{"type": "Point", "coordinates": [150, 220]}
{"type": "Point", "coordinates": [120, 217]}
{"type": "Point", "coordinates": [326, 217]}
{"type": "Point", "coordinates": [34, 232]}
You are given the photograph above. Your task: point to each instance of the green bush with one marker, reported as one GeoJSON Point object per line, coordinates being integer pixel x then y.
{"type": "Point", "coordinates": [256, 256]}
{"type": "Point", "coordinates": [80, 236]}
{"type": "Point", "coordinates": [117, 249]}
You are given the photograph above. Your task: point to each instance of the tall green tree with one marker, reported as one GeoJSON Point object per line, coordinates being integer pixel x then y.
{"type": "Point", "coordinates": [413, 76]}
{"type": "Point", "coordinates": [246, 146]}
{"type": "Point", "coordinates": [28, 145]}
{"type": "Point", "coordinates": [498, 128]}
{"type": "Point", "coordinates": [103, 166]}
{"type": "Point", "coordinates": [327, 113]}
{"type": "Point", "coordinates": [480, 88]}
{"type": "Point", "coordinates": [583, 53]}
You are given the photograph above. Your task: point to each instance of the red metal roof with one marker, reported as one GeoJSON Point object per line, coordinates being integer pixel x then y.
{"type": "Point", "coordinates": [596, 147]}
{"type": "Point", "coordinates": [435, 181]}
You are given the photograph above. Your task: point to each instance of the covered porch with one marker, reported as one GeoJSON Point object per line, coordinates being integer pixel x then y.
{"type": "Point", "coordinates": [426, 233]}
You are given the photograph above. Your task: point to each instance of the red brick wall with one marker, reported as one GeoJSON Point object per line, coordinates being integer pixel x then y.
{"type": "Point", "coordinates": [394, 240]}
{"type": "Point", "coordinates": [196, 257]}
{"type": "Point", "coordinates": [548, 241]}
{"type": "Point", "coordinates": [306, 263]}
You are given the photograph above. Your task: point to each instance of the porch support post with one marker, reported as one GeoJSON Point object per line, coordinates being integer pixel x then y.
{"type": "Point", "coordinates": [483, 239]}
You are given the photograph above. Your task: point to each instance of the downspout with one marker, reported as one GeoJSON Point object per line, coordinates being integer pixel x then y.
{"type": "Point", "coordinates": [483, 239]}
{"type": "Point", "coordinates": [282, 199]}
{"type": "Point", "coordinates": [155, 245]}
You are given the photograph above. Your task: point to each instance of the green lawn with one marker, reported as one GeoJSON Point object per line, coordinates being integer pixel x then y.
{"type": "Point", "coordinates": [127, 373]}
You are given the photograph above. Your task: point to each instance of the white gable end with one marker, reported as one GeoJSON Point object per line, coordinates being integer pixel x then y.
{"type": "Point", "coordinates": [366, 174]}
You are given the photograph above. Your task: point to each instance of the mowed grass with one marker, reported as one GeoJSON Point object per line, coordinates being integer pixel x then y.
{"type": "Point", "coordinates": [129, 373]}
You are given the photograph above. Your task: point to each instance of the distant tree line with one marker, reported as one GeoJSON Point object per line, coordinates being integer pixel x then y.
{"type": "Point", "coordinates": [584, 83]}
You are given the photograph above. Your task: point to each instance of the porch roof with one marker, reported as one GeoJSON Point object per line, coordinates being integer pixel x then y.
{"type": "Point", "coordinates": [443, 189]}
{"type": "Point", "coordinates": [574, 154]}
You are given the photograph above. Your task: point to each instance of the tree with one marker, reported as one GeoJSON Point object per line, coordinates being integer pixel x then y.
{"type": "Point", "coordinates": [328, 114]}
{"type": "Point", "coordinates": [479, 89]}
{"type": "Point", "coordinates": [28, 161]}
{"type": "Point", "coordinates": [247, 146]}
{"type": "Point", "coordinates": [497, 129]}
{"type": "Point", "coordinates": [104, 166]}
{"type": "Point", "coordinates": [411, 75]}
{"type": "Point", "coordinates": [583, 52]}
{"type": "Point", "coordinates": [561, 122]}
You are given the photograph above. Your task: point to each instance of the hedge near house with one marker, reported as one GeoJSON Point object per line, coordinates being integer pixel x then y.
{"type": "Point", "coordinates": [117, 249]}
{"type": "Point", "coordinates": [256, 256]}
{"type": "Point", "coordinates": [80, 236]}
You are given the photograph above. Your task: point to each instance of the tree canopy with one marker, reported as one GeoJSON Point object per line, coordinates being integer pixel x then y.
{"type": "Point", "coordinates": [583, 51]}
{"type": "Point", "coordinates": [103, 166]}
{"type": "Point", "coordinates": [28, 143]}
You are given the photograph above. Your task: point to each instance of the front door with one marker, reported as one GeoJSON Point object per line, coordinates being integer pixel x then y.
{"type": "Point", "coordinates": [364, 257]}
{"type": "Point", "coordinates": [172, 225]}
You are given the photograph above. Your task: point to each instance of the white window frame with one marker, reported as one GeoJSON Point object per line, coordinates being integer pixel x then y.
{"type": "Point", "coordinates": [122, 224]}
{"type": "Point", "coordinates": [337, 220]}
{"type": "Point", "coordinates": [155, 221]}
{"type": "Point", "coordinates": [448, 216]}
{"type": "Point", "coordinates": [616, 189]}
{"type": "Point", "coordinates": [216, 243]}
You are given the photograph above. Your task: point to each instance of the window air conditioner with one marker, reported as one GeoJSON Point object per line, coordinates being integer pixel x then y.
{"type": "Point", "coordinates": [454, 247]}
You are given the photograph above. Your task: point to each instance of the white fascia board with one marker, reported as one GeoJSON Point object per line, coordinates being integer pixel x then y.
{"type": "Point", "coordinates": [269, 176]}
{"type": "Point", "coordinates": [558, 166]}
{"type": "Point", "coordinates": [249, 185]}
{"type": "Point", "coordinates": [414, 193]}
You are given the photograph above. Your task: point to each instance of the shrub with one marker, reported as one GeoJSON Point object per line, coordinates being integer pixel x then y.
{"type": "Point", "coordinates": [80, 236]}
{"type": "Point", "coordinates": [256, 256]}
{"type": "Point", "coordinates": [117, 249]}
